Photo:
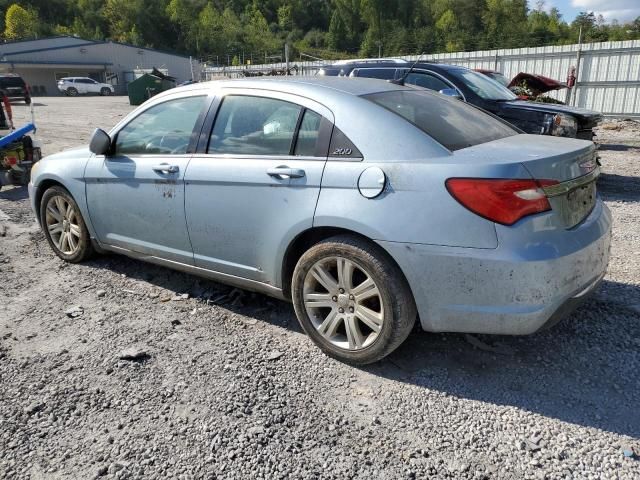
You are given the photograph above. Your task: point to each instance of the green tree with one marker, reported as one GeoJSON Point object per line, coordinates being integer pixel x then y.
{"type": "Point", "coordinates": [337, 35]}
{"type": "Point", "coordinates": [505, 23]}
{"type": "Point", "coordinates": [21, 23]}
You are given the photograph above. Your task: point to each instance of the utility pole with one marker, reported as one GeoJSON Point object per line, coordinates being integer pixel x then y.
{"type": "Point", "coordinates": [578, 56]}
{"type": "Point", "coordinates": [286, 56]}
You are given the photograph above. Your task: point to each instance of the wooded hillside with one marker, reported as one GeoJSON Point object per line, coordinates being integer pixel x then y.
{"type": "Point", "coordinates": [237, 31]}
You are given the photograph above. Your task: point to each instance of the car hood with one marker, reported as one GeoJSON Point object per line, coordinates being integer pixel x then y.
{"type": "Point", "coordinates": [538, 83]}
{"type": "Point", "coordinates": [586, 118]}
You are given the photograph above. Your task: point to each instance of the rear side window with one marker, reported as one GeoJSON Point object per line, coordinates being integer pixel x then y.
{"type": "Point", "coordinates": [452, 123]}
{"type": "Point", "coordinates": [308, 134]}
{"type": "Point", "coordinates": [248, 125]}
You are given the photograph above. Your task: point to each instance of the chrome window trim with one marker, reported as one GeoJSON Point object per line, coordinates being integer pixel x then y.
{"type": "Point", "coordinates": [244, 156]}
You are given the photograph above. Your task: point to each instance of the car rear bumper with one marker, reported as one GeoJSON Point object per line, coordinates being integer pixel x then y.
{"type": "Point", "coordinates": [515, 289]}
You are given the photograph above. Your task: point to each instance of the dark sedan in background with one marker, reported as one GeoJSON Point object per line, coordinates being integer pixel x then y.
{"type": "Point", "coordinates": [478, 90]}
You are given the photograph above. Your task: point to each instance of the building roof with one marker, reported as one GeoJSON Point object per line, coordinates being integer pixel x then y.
{"type": "Point", "coordinates": [46, 62]}
{"type": "Point", "coordinates": [87, 43]}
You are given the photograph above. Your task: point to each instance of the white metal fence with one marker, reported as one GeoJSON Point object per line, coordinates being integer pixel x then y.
{"type": "Point", "coordinates": [608, 73]}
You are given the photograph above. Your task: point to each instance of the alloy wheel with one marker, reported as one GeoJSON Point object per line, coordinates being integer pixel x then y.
{"type": "Point", "coordinates": [344, 303]}
{"type": "Point", "coordinates": [63, 225]}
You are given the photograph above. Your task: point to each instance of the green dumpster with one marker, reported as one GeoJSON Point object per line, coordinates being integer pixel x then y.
{"type": "Point", "coordinates": [146, 86]}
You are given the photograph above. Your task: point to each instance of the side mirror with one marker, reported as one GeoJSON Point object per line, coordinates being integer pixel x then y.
{"type": "Point", "coordinates": [451, 92]}
{"type": "Point", "coordinates": [100, 142]}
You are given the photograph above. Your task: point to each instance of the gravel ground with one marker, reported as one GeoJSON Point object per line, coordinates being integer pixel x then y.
{"type": "Point", "coordinates": [119, 369]}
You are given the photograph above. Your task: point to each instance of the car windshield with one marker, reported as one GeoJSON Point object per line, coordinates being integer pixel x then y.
{"type": "Point", "coordinates": [483, 86]}
{"type": "Point", "coordinates": [498, 77]}
{"type": "Point", "coordinates": [451, 122]}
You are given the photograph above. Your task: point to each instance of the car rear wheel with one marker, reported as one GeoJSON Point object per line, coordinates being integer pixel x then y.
{"type": "Point", "coordinates": [64, 226]}
{"type": "Point", "coordinates": [352, 300]}
{"type": "Point", "coordinates": [27, 100]}
{"type": "Point", "coordinates": [105, 91]}
{"type": "Point", "coordinates": [72, 92]}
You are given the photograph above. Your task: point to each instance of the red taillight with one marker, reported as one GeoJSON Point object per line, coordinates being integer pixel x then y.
{"type": "Point", "coordinates": [500, 200]}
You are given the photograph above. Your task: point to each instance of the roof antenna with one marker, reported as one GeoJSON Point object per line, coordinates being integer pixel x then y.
{"type": "Point", "coordinates": [401, 81]}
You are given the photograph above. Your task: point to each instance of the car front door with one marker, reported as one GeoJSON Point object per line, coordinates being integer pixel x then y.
{"type": "Point", "coordinates": [254, 183]}
{"type": "Point", "coordinates": [135, 196]}
{"type": "Point", "coordinates": [80, 85]}
{"type": "Point", "coordinates": [92, 86]}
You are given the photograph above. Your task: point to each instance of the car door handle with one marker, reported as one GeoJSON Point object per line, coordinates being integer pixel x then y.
{"type": "Point", "coordinates": [166, 168]}
{"type": "Point", "coordinates": [286, 172]}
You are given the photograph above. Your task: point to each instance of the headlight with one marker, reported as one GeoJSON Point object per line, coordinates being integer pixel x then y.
{"type": "Point", "coordinates": [564, 126]}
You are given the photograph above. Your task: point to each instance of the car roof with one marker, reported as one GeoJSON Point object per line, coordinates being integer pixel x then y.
{"type": "Point", "coordinates": [342, 97]}
{"type": "Point", "coordinates": [306, 86]}
{"type": "Point", "coordinates": [390, 63]}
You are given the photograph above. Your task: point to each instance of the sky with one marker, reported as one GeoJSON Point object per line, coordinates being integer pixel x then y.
{"type": "Point", "coordinates": [622, 10]}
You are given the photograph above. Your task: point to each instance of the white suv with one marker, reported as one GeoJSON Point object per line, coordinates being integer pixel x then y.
{"type": "Point", "coordinates": [73, 86]}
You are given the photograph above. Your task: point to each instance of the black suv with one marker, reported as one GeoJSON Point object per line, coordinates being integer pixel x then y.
{"type": "Point", "coordinates": [478, 90]}
{"type": "Point", "coordinates": [14, 86]}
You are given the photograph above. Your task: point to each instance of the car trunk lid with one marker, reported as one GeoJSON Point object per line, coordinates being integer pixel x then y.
{"type": "Point", "coordinates": [566, 169]}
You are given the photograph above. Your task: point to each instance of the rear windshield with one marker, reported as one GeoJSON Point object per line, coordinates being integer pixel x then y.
{"type": "Point", "coordinates": [11, 82]}
{"type": "Point", "coordinates": [450, 122]}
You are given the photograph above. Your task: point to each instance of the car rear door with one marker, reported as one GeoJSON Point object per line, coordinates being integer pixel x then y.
{"type": "Point", "coordinates": [254, 183]}
{"type": "Point", "coordinates": [80, 85]}
{"type": "Point", "coordinates": [135, 196]}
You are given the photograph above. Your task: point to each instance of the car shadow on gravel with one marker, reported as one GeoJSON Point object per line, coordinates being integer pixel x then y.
{"type": "Point", "coordinates": [619, 188]}
{"type": "Point", "coordinates": [173, 284]}
{"type": "Point", "coordinates": [582, 371]}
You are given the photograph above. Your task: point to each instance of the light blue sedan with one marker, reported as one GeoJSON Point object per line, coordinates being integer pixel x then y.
{"type": "Point", "coordinates": [367, 204]}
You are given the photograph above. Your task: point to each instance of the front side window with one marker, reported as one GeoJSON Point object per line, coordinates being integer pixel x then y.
{"type": "Point", "coordinates": [247, 125]}
{"type": "Point", "coordinates": [165, 128]}
{"type": "Point", "coordinates": [452, 123]}
{"type": "Point", "coordinates": [483, 86]}
{"type": "Point", "coordinates": [426, 81]}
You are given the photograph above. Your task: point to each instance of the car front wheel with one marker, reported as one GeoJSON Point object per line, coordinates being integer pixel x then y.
{"type": "Point", "coordinates": [64, 226]}
{"type": "Point", "coordinates": [352, 300]}
{"type": "Point", "coordinates": [72, 92]}
{"type": "Point", "coordinates": [105, 91]}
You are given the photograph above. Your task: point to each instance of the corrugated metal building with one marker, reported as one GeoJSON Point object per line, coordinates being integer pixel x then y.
{"type": "Point", "coordinates": [42, 62]}
{"type": "Point", "coordinates": [608, 73]}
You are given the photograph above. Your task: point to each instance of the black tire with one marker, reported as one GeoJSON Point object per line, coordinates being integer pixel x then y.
{"type": "Point", "coordinates": [27, 100]}
{"type": "Point", "coordinates": [105, 92]}
{"type": "Point", "coordinates": [84, 246]}
{"type": "Point", "coordinates": [72, 92]}
{"type": "Point", "coordinates": [398, 305]}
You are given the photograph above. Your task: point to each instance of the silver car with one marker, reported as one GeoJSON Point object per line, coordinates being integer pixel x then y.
{"type": "Point", "coordinates": [367, 204]}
